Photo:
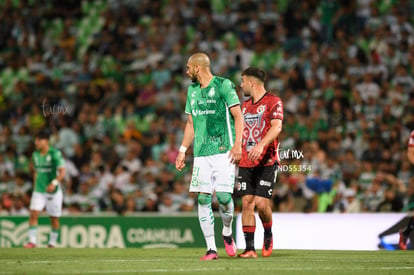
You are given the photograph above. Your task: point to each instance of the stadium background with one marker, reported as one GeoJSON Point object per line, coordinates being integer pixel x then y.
{"type": "Point", "coordinates": [107, 79]}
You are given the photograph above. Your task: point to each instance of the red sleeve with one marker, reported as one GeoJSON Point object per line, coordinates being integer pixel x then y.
{"type": "Point", "coordinates": [276, 112]}
{"type": "Point", "coordinates": [411, 140]}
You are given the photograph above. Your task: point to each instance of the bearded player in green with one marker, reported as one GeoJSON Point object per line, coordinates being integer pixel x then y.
{"type": "Point", "coordinates": [48, 173]}
{"type": "Point", "coordinates": [215, 123]}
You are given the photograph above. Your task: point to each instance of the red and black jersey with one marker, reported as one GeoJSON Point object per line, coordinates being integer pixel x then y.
{"type": "Point", "coordinates": [257, 118]}
{"type": "Point", "coordinates": [411, 140]}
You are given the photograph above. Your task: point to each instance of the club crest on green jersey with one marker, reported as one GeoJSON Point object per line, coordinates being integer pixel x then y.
{"type": "Point", "coordinates": [212, 92]}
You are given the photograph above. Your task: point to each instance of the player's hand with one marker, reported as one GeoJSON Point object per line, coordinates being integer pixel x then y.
{"type": "Point", "coordinates": [50, 188]}
{"type": "Point", "coordinates": [180, 161]}
{"type": "Point", "coordinates": [235, 154]}
{"type": "Point", "coordinates": [256, 152]}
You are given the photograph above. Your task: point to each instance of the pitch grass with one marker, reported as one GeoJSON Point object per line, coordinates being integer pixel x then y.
{"type": "Point", "coordinates": [186, 261]}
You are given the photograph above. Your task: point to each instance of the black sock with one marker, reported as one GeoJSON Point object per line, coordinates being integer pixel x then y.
{"type": "Point", "coordinates": [268, 233]}
{"type": "Point", "coordinates": [267, 226]}
{"type": "Point", "coordinates": [410, 227]}
{"type": "Point", "coordinates": [227, 239]}
{"type": "Point", "coordinates": [249, 237]}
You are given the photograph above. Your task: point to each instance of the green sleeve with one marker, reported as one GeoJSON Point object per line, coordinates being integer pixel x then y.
{"type": "Point", "coordinates": [229, 93]}
{"type": "Point", "coordinates": [187, 103]}
{"type": "Point", "coordinates": [60, 162]}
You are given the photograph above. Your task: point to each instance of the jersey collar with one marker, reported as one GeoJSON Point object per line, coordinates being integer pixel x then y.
{"type": "Point", "coordinates": [253, 103]}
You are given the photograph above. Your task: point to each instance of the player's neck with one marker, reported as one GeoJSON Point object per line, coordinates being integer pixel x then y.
{"type": "Point", "coordinates": [205, 79]}
{"type": "Point", "coordinates": [258, 95]}
{"type": "Point", "coordinates": [44, 150]}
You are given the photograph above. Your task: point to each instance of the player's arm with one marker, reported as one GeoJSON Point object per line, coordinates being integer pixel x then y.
{"type": "Point", "coordinates": [33, 170]}
{"type": "Point", "coordinates": [34, 179]}
{"type": "Point", "coordinates": [60, 162]}
{"type": "Point", "coordinates": [229, 94]}
{"type": "Point", "coordinates": [60, 174]}
{"type": "Point", "coordinates": [186, 142]}
{"type": "Point", "coordinates": [236, 151]}
{"type": "Point", "coordinates": [271, 135]}
{"type": "Point", "coordinates": [56, 181]}
{"type": "Point", "coordinates": [410, 154]}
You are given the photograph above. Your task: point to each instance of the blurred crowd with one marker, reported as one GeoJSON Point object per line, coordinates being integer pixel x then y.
{"type": "Point", "coordinates": [108, 79]}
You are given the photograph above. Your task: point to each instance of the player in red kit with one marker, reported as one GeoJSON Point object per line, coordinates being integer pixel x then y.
{"type": "Point", "coordinates": [405, 234]}
{"type": "Point", "coordinates": [263, 116]}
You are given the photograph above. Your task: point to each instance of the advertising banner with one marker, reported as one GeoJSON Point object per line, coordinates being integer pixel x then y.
{"type": "Point", "coordinates": [111, 231]}
{"type": "Point", "coordinates": [290, 231]}
{"type": "Point", "coordinates": [330, 231]}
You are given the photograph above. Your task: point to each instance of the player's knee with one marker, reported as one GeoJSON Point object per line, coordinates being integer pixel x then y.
{"type": "Point", "coordinates": [204, 199]}
{"type": "Point", "coordinates": [34, 214]}
{"type": "Point", "coordinates": [248, 199]}
{"type": "Point", "coordinates": [262, 204]}
{"type": "Point", "coordinates": [248, 206]}
{"type": "Point", "coordinates": [223, 198]}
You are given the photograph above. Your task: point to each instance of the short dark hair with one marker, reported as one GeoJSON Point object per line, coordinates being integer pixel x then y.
{"type": "Point", "coordinates": [255, 72]}
{"type": "Point", "coordinates": [43, 134]}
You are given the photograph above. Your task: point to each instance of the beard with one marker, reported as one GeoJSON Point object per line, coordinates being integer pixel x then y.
{"type": "Point", "coordinates": [194, 78]}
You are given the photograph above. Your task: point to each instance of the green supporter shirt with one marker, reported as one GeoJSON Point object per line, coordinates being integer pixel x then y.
{"type": "Point", "coordinates": [212, 121]}
{"type": "Point", "coordinates": [46, 167]}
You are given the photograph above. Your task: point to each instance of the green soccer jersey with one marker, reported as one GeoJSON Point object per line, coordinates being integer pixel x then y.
{"type": "Point", "coordinates": [213, 123]}
{"type": "Point", "coordinates": [46, 167]}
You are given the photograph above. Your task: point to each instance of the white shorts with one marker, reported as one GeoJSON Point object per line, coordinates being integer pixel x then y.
{"type": "Point", "coordinates": [213, 173]}
{"type": "Point", "coordinates": [52, 202]}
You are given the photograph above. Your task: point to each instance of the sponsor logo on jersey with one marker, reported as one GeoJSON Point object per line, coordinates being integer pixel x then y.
{"type": "Point", "coordinates": [265, 183]}
{"type": "Point", "coordinates": [43, 170]}
{"type": "Point", "coordinates": [253, 129]}
{"type": "Point", "coordinates": [203, 112]}
{"type": "Point", "coordinates": [279, 110]}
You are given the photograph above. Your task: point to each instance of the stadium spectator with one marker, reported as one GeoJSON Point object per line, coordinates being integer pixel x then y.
{"type": "Point", "coordinates": [118, 201]}
{"type": "Point", "coordinates": [19, 208]}
{"type": "Point", "coordinates": [151, 203]}
{"type": "Point", "coordinates": [71, 56]}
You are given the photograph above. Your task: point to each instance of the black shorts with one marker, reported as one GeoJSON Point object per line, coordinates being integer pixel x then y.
{"type": "Point", "coordinates": [258, 181]}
